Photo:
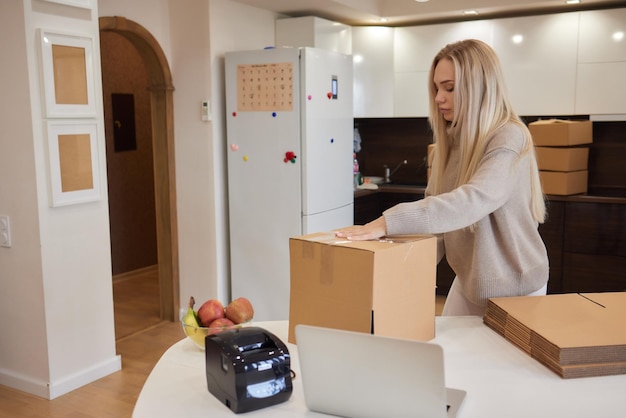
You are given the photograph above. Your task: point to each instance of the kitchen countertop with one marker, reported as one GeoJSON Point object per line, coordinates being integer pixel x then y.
{"type": "Point", "coordinates": [391, 188]}
{"type": "Point", "coordinates": [419, 189]}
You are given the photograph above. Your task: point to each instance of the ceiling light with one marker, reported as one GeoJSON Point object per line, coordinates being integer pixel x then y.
{"type": "Point", "coordinates": [470, 13]}
{"type": "Point", "coordinates": [517, 39]}
{"type": "Point", "coordinates": [572, 1]}
{"type": "Point", "coordinates": [422, 1]}
{"type": "Point", "coordinates": [618, 36]}
{"type": "Point", "coordinates": [383, 19]}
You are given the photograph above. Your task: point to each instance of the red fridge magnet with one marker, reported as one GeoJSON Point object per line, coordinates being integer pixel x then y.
{"type": "Point", "coordinates": [290, 156]}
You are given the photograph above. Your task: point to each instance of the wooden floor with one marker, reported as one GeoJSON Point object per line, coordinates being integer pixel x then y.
{"type": "Point", "coordinates": [141, 339]}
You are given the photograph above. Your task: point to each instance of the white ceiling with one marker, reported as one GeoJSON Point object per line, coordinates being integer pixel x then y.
{"type": "Point", "coordinates": [412, 12]}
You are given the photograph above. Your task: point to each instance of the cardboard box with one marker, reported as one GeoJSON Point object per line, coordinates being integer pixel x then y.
{"type": "Point", "coordinates": [564, 183]}
{"type": "Point", "coordinates": [561, 133]}
{"type": "Point", "coordinates": [385, 287]}
{"type": "Point", "coordinates": [430, 155]}
{"type": "Point", "coordinates": [562, 158]}
{"type": "Point", "coordinates": [592, 344]}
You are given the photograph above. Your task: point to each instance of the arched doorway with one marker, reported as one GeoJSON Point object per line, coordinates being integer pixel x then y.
{"type": "Point", "coordinates": [161, 92]}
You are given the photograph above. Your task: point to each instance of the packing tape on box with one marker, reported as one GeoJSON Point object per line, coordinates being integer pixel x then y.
{"type": "Point", "coordinates": [326, 267]}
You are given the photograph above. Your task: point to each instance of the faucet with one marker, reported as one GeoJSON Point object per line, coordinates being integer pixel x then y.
{"type": "Point", "coordinates": [389, 173]}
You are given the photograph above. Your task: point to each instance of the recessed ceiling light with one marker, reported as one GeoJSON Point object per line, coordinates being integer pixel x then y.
{"type": "Point", "coordinates": [572, 1]}
{"type": "Point", "coordinates": [470, 13]}
{"type": "Point", "coordinates": [383, 19]}
{"type": "Point", "coordinates": [422, 1]}
{"type": "Point", "coordinates": [618, 36]}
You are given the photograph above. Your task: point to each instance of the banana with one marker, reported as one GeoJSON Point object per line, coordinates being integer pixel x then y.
{"type": "Point", "coordinates": [191, 325]}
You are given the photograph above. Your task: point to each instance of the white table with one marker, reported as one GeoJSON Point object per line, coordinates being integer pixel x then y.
{"type": "Point", "coordinates": [500, 379]}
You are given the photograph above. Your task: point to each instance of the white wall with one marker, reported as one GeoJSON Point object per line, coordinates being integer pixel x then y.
{"type": "Point", "coordinates": [57, 291]}
{"type": "Point", "coordinates": [23, 346]}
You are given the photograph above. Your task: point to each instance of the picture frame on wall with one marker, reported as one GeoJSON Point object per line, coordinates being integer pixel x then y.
{"type": "Point", "coordinates": [68, 74]}
{"type": "Point", "coordinates": [85, 4]}
{"type": "Point", "coordinates": [73, 162]}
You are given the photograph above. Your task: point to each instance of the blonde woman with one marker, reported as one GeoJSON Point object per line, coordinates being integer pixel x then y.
{"type": "Point", "coordinates": [484, 198]}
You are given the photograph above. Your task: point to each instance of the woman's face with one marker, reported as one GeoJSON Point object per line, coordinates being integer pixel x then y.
{"type": "Point", "coordinates": [444, 86]}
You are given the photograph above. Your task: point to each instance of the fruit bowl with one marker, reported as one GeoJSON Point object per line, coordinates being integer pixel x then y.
{"type": "Point", "coordinates": [198, 334]}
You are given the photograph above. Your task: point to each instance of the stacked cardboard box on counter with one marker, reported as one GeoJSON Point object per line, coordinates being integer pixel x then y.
{"type": "Point", "coordinates": [562, 154]}
{"type": "Point", "coordinates": [574, 335]}
{"type": "Point", "coordinates": [384, 287]}
{"type": "Point", "coordinates": [430, 152]}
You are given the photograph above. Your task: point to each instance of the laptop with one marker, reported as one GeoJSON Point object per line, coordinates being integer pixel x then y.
{"type": "Point", "coordinates": [354, 374]}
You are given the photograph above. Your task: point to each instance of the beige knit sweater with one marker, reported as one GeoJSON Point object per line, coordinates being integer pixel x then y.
{"type": "Point", "coordinates": [504, 254]}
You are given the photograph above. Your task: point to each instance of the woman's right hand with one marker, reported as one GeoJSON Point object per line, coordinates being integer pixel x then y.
{"type": "Point", "coordinates": [369, 231]}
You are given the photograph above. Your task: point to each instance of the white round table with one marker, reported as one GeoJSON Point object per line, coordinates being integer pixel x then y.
{"type": "Point", "coordinates": [500, 379]}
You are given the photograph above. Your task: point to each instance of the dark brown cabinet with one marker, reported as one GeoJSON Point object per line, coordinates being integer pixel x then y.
{"type": "Point", "coordinates": [594, 246]}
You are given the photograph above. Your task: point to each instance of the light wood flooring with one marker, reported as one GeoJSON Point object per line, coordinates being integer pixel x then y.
{"type": "Point", "coordinates": [141, 339]}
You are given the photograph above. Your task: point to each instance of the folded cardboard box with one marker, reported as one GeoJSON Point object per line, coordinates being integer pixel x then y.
{"type": "Point", "coordinates": [573, 334]}
{"type": "Point", "coordinates": [562, 158]}
{"type": "Point", "coordinates": [385, 287]}
{"type": "Point", "coordinates": [561, 133]}
{"type": "Point", "coordinates": [564, 183]}
{"type": "Point", "coordinates": [430, 153]}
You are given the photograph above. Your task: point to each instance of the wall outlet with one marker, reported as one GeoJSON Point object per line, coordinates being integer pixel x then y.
{"type": "Point", "coordinates": [5, 231]}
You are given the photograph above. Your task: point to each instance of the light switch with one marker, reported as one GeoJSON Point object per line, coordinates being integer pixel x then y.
{"type": "Point", "coordinates": [5, 231]}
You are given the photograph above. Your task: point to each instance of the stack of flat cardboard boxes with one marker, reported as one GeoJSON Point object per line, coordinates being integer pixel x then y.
{"type": "Point", "coordinates": [562, 154]}
{"type": "Point", "coordinates": [574, 334]}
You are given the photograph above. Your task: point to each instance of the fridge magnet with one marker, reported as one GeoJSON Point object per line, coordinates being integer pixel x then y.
{"type": "Point", "coordinates": [68, 77]}
{"type": "Point", "coordinates": [290, 156]}
{"type": "Point", "coordinates": [73, 162]}
{"type": "Point", "coordinates": [234, 147]}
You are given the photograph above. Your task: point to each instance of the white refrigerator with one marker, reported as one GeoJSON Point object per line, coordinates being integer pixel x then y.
{"type": "Point", "coordinates": [290, 142]}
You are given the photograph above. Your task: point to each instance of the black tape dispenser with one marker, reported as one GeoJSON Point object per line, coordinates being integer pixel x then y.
{"type": "Point", "coordinates": [248, 368]}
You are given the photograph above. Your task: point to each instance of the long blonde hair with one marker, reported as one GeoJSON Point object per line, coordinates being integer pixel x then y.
{"type": "Point", "coordinates": [481, 106]}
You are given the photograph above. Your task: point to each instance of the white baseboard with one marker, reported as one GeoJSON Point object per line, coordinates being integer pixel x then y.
{"type": "Point", "coordinates": [24, 383]}
{"type": "Point", "coordinates": [51, 390]}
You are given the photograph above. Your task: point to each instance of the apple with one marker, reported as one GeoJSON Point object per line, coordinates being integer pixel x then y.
{"type": "Point", "coordinates": [210, 310]}
{"type": "Point", "coordinates": [239, 310]}
{"type": "Point", "coordinates": [221, 324]}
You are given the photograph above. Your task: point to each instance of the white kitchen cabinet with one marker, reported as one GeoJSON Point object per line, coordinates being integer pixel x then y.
{"type": "Point", "coordinates": [538, 56]}
{"type": "Point", "coordinates": [313, 32]}
{"type": "Point", "coordinates": [602, 36]}
{"type": "Point", "coordinates": [372, 50]}
{"type": "Point", "coordinates": [414, 50]}
{"type": "Point", "coordinates": [600, 86]}
{"type": "Point", "coordinates": [416, 46]}
{"type": "Point", "coordinates": [410, 97]}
